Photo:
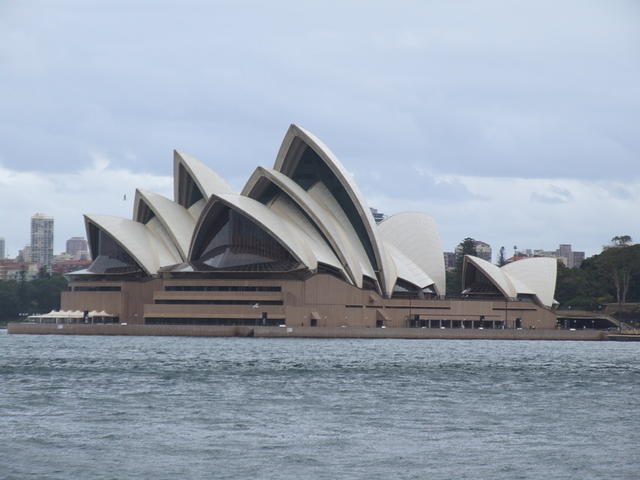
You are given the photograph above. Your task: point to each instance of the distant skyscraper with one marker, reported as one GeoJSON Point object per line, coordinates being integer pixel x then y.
{"type": "Point", "coordinates": [76, 245]}
{"type": "Point", "coordinates": [42, 239]}
{"type": "Point", "coordinates": [2, 252]}
{"type": "Point", "coordinates": [578, 258]}
{"type": "Point", "coordinates": [564, 252]}
{"type": "Point", "coordinates": [449, 261]}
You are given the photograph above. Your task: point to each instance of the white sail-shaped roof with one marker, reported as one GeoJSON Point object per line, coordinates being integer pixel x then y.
{"type": "Point", "coordinates": [538, 274]}
{"type": "Point", "coordinates": [416, 236]}
{"type": "Point", "coordinates": [309, 207]}
{"type": "Point", "coordinates": [188, 170]}
{"type": "Point", "coordinates": [268, 220]}
{"type": "Point", "coordinates": [176, 220]}
{"type": "Point", "coordinates": [530, 276]}
{"type": "Point", "coordinates": [143, 245]}
{"type": "Point", "coordinates": [316, 211]}
{"type": "Point", "coordinates": [406, 269]}
{"type": "Point", "coordinates": [292, 149]}
{"type": "Point", "coordinates": [291, 214]}
{"type": "Point", "coordinates": [363, 266]}
{"type": "Point", "coordinates": [495, 274]}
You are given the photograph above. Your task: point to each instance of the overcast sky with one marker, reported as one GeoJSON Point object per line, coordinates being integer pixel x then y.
{"type": "Point", "coordinates": [516, 123]}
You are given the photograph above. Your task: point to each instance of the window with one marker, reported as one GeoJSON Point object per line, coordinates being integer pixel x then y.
{"type": "Point", "coordinates": [110, 256]}
{"type": "Point", "coordinates": [231, 242]}
{"type": "Point", "coordinates": [222, 288]}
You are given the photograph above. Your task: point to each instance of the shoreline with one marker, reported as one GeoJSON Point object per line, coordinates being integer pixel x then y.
{"type": "Point", "coordinates": [306, 332]}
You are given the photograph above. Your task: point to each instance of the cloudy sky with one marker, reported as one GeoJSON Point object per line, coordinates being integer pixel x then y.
{"type": "Point", "coordinates": [517, 123]}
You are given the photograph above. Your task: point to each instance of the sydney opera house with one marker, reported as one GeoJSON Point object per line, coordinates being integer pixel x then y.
{"type": "Point", "coordinates": [298, 246]}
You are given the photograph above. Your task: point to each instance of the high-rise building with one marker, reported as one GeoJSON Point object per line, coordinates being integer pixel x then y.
{"type": "Point", "coordinates": [24, 255]}
{"type": "Point", "coordinates": [564, 252]}
{"type": "Point", "coordinates": [449, 261]}
{"type": "Point", "coordinates": [2, 252]}
{"type": "Point", "coordinates": [42, 239]}
{"type": "Point", "coordinates": [578, 258]}
{"type": "Point", "coordinates": [76, 246]}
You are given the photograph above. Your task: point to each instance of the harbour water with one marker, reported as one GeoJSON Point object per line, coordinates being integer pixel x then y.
{"type": "Point", "coordinates": [76, 407]}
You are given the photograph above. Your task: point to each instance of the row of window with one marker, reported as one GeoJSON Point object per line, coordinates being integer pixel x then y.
{"type": "Point", "coordinates": [227, 322]}
{"type": "Point", "coordinates": [489, 324]}
{"type": "Point", "coordinates": [222, 288]}
{"type": "Point", "coordinates": [95, 289]}
{"type": "Point", "coordinates": [405, 307]}
{"type": "Point", "coordinates": [216, 302]}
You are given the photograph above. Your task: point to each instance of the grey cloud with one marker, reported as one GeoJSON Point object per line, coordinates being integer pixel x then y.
{"type": "Point", "coordinates": [495, 90]}
{"type": "Point", "coordinates": [553, 194]}
{"type": "Point", "coordinates": [487, 89]}
{"type": "Point", "coordinates": [413, 184]}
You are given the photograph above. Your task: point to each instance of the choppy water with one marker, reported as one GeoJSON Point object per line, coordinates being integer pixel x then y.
{"type": "Point", "coordinates": [195, 408]}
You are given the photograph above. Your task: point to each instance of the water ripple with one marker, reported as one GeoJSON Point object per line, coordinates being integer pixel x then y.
{"type": "Point", "coordinates": [200, 408]}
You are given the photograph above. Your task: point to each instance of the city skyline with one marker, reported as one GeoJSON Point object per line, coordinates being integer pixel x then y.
{"type": "Point", "coordinates": [488, 252]}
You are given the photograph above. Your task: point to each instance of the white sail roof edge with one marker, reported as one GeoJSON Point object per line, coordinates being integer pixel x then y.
{"type": "Point", "coordinates": [494, 273]}
{"type": "Point", "coordinates": [319, 213]}
{"type": "Point", "coordinates": [266, 219]}
{"type": "Point", "coordinates": [538, 273]}
{"type": "Point", "coordinates": [341, 174]}
{"type": "Point", "coordinates": [406, 269]}
{"type": "Point", "coordinates": [176, 219]}
{"type": "Point", "coordinates": [206, 179]}
{"type": "Point", "coordinates": [416, 236]}
{"type": "Point", "coordinates": [531, 276]}
{"type": "Point", "coordinates": [142, 244]}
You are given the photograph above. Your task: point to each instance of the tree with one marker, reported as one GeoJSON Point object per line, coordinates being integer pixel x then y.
{"type": "Point", "coordinates": [621, 240]}
{"type": "Point", "coordinates": [36, 296]}
{"type": "Point", "coordinates": [621, 265]}
{"type": "Point", "coordinates": [501, 259]}
{"type": "Point", "coordinates": [466, 247]}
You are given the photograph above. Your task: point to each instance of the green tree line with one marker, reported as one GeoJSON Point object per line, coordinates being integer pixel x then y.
{"type": "Point", "coordinates": [612, 276]}
{"type": "Point", "coordinates": [36, 296]}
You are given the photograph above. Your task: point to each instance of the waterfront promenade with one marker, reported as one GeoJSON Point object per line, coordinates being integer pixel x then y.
{"type": "Point", "coordinates": [305, 332]}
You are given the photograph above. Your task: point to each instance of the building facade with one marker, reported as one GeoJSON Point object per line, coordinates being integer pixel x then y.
{"type": "Point", "coordinates": [76, 247]}
{"type": "Point", "coordinates": [41, 250]}
{"type": "Point", "coordinates": [297, 247]}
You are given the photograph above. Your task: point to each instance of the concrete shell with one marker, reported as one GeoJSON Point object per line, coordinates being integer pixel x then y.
{"type": "Point", "coordinates": [289, 212]}
{"type": "Point", "coordinates": [494, 273]}
{"type": "Point", "coordinates": [406, 269]}
{"type": "Point", "coordinates": [360, 266]}
{"type": "Point", "coordinates": [142, 244]}
{"type": "Point", "coordinates": [207, 181]}
{"type": "Point", "coordinates": [317, 212]}
{"type": "Point", "coordinates": [416, 236]}
{"type": "Point", "coordinates": [262, 216]}
{"type": "Point", "coordinates": [538, 274]}
{"type": "Point", "coordinates": [290, 151]}
{"type": "Point", "coordinates": [175, 219]}
{"type": "Point", "coordinates": [530, 276]}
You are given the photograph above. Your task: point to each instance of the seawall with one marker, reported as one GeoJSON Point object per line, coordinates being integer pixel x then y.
{"type": "Point", "coordinates": [303, 332]}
